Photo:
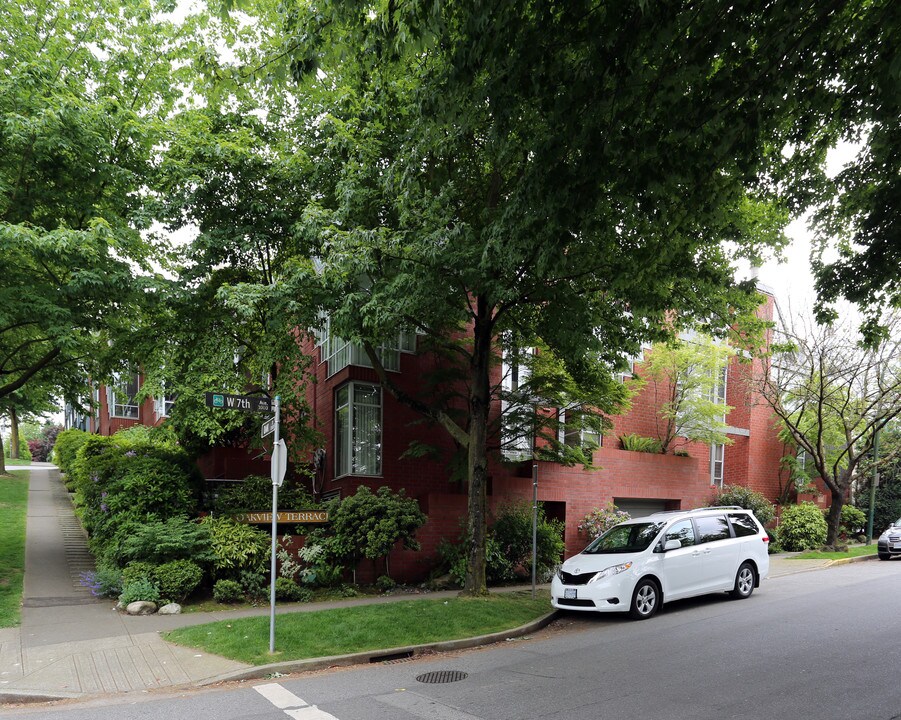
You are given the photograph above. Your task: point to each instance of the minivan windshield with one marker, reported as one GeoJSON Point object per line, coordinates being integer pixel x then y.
{"type": "Point", "coordinates": [630, 538]}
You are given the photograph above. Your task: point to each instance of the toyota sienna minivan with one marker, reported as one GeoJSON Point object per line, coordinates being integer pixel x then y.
{"type": "Point", "coordinates": [638, 565]}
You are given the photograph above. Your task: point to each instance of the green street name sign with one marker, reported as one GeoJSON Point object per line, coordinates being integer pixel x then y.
{"type": "Point", "coordinates": [245, 403]}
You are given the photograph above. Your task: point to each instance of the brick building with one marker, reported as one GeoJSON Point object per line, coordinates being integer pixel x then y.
{"type": "Point", "coordinates": [366, 433]}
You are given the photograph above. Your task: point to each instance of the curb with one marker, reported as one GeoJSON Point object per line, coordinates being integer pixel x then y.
{"type": "Point", "coordinates": [258, 672]}
{"type": "Point", "coordinates": [21, 697]}
{"type": "Point", "coordinates": [846, 561]}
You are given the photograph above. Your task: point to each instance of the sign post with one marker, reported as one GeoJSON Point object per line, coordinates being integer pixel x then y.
{"type": "Point", "coordinates": [279, 463]}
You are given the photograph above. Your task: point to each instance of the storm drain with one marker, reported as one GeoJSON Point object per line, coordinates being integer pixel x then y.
{"type": "Point", "coordinates": [442, 676]}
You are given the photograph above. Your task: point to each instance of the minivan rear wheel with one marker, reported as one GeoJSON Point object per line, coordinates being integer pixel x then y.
{"type": "Point", "coordinates": [745, 579]}
{"type": "Point", "coordinates": [645, 599]}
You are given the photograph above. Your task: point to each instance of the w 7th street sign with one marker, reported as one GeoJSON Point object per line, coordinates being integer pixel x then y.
{"type": "Point", "coordinates": [245, 403]}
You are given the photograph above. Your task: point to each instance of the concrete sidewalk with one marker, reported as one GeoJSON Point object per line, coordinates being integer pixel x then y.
{"type": "Point", "coordinates": [72, 645]}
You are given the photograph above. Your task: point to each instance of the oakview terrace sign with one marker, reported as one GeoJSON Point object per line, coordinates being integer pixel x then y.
{"type": "Point", "coordinates": [297, 516]}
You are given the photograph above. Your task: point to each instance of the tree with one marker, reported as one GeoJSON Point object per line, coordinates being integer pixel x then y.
{"type": "Point", "coordinates": [858, 209]}
{"type": "Point", "coordinates": [565, 172]}
{"type": "Point", "coordinates": [688, 382]}
{"type": "Point", "coordinates": [831, 395]}
{"type": "Point", "coordinates": [84, 93]}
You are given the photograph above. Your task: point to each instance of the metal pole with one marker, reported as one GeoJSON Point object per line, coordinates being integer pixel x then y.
{"type": "Point", "coordinates": [534, 524]}
{"type": "Point", "coordinates": [873, 487]}
{"type": "Point", "coordinates": [275, 449]}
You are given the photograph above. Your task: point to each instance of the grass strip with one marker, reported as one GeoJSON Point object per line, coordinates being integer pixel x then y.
{"type": "Point", "coordinates": [13, 509]}
{"type": "Point", "coordinates": [852, 552]}
{"type": "Point", "coordinates": [339, 631]}
{"type": "Point", "coordinates": [16, 462]}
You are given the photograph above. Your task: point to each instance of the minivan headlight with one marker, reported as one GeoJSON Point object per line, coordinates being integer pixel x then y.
{"type": "Point", "coordinates": [611, 571]}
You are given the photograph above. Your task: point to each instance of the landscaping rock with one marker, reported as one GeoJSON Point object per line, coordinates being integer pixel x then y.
{"type": "Point", "coordinates": [170, 609]}
{"type": "Point", "coordinates": [141, 607]}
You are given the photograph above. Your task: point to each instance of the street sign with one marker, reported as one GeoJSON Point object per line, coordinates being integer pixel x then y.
{"type": "Point", "coordinates": [279, 462]}
{"type": "Point", "coordinates": [301, 517]}
{"type": "Point", "coordinates": [268, 427]}
{"type": "Point", "coordinates": [245, 403]}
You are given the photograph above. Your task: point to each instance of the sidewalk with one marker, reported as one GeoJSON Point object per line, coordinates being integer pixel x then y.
{"type": "Point", "coordinates": [72, 645]}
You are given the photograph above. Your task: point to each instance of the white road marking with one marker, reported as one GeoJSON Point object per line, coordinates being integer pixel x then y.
{"type": "Point", "coordinates": [294, 707]}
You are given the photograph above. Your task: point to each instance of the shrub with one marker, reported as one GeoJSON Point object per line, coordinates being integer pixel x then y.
{"type": "Point", "coordinates": [137, 571]}
{"type": "Point", "coordinates": [638, 443]}
{"type": "Point", "coordinates": [385, 584]}
{"type": "Point", "coordinates": [177, 579]}
{"type": "Point", "coordinates": [287, 590]}
{"type": "Point", "coordinates": [177, 538]}
{"type": "Point", "coordinates": [41, 447]}
{"type": "Point", "coordinates": [748, 499]}
{"type": "Point", "coordinates": [66, 447]}
{"type": "Point", "coordinates": [254, 583]}
{"type": "Point", "coordinates": [853, 522]}
{"type": "Point", "coordinates": [803, 527]}
{"type": "Point", "coordinates": [142, 589]}
{"type": "Point", "coordinates": [24, 449]}
{"type": "Point", "coordinates": [227, 591]}
{"type": "Point", "coordinates": [598, 521]}
{"type": "Point", "coordinates": [236, 547]}
{"type": "Point", "coordinates": [105, 581]}
{"type": "Point", "coordinates": [512, 530]}
{"type": "Point", "coordinates": [254, 493]}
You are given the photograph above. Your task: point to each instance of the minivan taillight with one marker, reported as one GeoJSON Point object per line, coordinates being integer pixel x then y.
{"type": "Point", "coordinates": [766, 538]}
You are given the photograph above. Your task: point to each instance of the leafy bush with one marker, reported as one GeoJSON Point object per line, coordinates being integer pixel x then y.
{"type": "Point", "coordinates": [66, 447]}
{"type": "Point", "coordinates": [105, 581]}
{"type": "Point", "coordinates": [137, 571]}
{"type": "Point", "coordinates": [803, 527]}
{"type": "Point", "coordinates": [774, 546]}
{"type": "Point", "coordinates": [24, 450]}
{"type": "Point", "coordinates": [254, 493]}
{"type": "Point", "coordinates": [853, 522]}
{"type": "Point", "coordinates": [228, 591]}
{"type": "Point", "coordinates": [254, 583]}
{"type": "Point", "coordinates": [454, 556]}
{"type": "Point", "coordinates": [748, 499]}
{"type": "Point", "coordinates": [369, 524]}
{"type": "Point", "coordinates": [287, 590]}
{"type": "Point", "coordinates": [599, 521]}
{"type": "Point", "coordinates": [177, 579]}
{"type": "Point", "coordinates": [158, 541]}
{"type": "Point", "coordinates": [638, 443]}
{"type": "Point", "coordinates": [142, 589]}
{"type": "Point", "coordinates": [512, 530]}
{"type": "Point", "coordinates": [41, 446]}
{"type": "Point", "coordinates": [385, 584]}
{"type": "Point", "coordinates": [887, 507]}
{"type": "Point", "coordinates": [236, 547]}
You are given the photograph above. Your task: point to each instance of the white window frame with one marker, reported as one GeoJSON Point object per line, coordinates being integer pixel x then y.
{"type": "Point", "coordinates": [520, 447]}
{"type": "Point", "coordinates": [340, 353]}
{"type": "Point", "coordinates": [585, 435]}
{"type": "Point", "coordinates": [717, 464]}
{"type": "Point", "coordinates": [124, 410]}
{"type": "Point", "coordinates": [346, 456]}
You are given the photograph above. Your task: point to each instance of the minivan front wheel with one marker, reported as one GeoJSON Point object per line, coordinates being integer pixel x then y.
{"type": "Point", "coordinates": [645, 599]}
{"type": "Point", "coordinates": [745, 580]}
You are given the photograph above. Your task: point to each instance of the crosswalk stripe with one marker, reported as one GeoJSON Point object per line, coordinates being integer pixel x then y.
{"type": "Point", "coordinates": [279, 696]}
{"type": "Point", "coordinates": [311, 712]}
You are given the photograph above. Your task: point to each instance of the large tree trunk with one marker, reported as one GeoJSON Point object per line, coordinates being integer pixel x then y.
{"type": "Point", "coordinates": [13, 434]}
{"type": "Point", "coordinates": [2, 458]}
{"type": "Point", "coordinates": [834, 517]}
{"type": "Point", "coordinates": [480, 400]}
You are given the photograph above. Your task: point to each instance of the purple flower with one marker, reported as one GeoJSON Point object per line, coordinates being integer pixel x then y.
{"type": "Point", "coordinates": [130, 453]}
{"type": "Point", "coordinates": [104, 494]}
{"type": "Point", "coordinates": [104, 507]}
{"type": "Point", "coordinates": [95, 477]}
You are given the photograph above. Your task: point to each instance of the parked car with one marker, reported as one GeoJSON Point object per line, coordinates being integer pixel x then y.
{"type": "Point", "coordinates": [638, 565]}
{"type": "Point", "coordinates": [889, 543]}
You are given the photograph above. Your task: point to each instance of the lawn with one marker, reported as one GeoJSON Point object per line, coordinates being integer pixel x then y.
{"type": "Point", "coordinates": [13, 507]}
{"type": "Point", "coordinates": [852, 552]}
{"type": "Point", "coordinates": [364, 627]}
{"type": "Point", "coordinates": [16, 462]}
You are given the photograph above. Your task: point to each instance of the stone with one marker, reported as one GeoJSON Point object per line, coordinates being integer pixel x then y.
{"type": "Point", "coordinates": [141, 607]}
{"type": "Point", "coordinates": [170, 609]}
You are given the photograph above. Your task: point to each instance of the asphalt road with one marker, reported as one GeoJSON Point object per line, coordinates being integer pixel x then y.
{"type": "Point", "coordinates": [822, 645]}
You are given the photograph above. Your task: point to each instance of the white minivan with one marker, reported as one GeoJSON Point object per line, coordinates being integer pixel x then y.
{"type": "Point", "coordinates": [638, 565]}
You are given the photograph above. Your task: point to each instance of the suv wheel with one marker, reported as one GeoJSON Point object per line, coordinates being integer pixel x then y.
{"type": "Point", "coordinates": [884, 556]}
{"type": "Point", "coordinates": [744, 581]}
{"type": "Point", "coordinates": [645, 599]}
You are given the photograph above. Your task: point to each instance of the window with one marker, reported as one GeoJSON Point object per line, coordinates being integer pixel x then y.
{"type": "Point", "coordinates": [712, 528]}
{"type": "Point", "coordinates": [122, 403]}
{"type": "Point", "coordinates": [358, 430]}
{"type": "Point", "coordinates": [340, 353]}
{"type": "Point", "coordinates": [577, 432]}
{"type": "Point", "coordinates": [517, 408]}
{"type": "Point", "coordinates": [802, 459]}
{"type": "Point", "coordinates": [743, 524]}
{"type": "Point", "coordinates": [164, 405]}
{"type": "Point", "coordinates": [718, 391]}
{"type": "Point", "coordinates": [681, 531]}
{"type": "Point", "coordinates": [717, 453]}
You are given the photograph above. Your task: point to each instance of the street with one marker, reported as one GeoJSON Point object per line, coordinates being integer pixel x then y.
{"type": "Point", "coordinates": [821, 644]}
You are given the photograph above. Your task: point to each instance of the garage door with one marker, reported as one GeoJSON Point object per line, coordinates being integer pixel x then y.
{"type": "Point", "coordinates": [639, 507]}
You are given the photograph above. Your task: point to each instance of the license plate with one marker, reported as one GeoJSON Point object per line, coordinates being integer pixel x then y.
{"type": "Point", "coordinates": [569, 593]}
{"type": "Point", "coordinates": [896, 546]}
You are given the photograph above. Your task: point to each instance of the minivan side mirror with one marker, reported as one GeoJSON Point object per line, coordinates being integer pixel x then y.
{"type": "Point", "coordinates": [672, 545]}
